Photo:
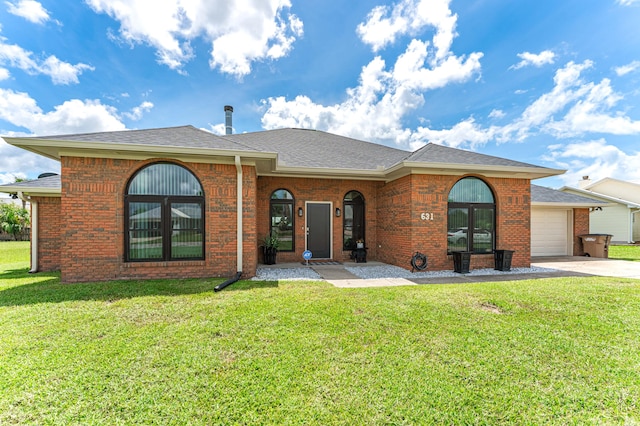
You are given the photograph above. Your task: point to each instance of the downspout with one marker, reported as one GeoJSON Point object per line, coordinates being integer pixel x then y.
{"type": "Point", "coordinates": [34, 231]}
{"type": "Point", "coordinates": [238, 227]}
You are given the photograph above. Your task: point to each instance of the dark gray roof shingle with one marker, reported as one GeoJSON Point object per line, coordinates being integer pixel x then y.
{"type": "Point", "coordinates": [183, 136]}
{"type": "Point", "coordinates": [317, 149]}
{"type": "Point", "coordinates": [434, 153]}
{"type": "Point", "coordinates": [541, 194]}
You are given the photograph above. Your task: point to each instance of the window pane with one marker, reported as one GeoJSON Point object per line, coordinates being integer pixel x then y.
{"type": "Point", "coordinates": [186, 230]}
{"type": "Point", "coordinates": [281, 194]}
{"type": "Point", "coordinates": [164, 179]}
{"type": "Point", "coordinates": [470, 190]}
{"type": "Point", "coordinates": [353, 225]}
{"type": "Point", "coordinates": [483, 230]}
{"type": "Point", "coordinates": [282, 224]}
{"type": "Point", "coordinates": [145, 231]}
{"type": "Point", "coordinates": [457, 234]}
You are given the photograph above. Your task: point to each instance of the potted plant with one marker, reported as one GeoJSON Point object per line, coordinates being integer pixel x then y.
{"type": "Point", "coordinates": [270, 249]}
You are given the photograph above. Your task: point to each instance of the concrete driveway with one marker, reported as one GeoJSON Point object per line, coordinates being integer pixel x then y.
{"type": "Point", "coordinates": [581, 265]}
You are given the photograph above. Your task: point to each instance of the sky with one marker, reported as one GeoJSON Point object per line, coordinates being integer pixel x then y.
{"type": "Point", "coordinates": [547, 82]}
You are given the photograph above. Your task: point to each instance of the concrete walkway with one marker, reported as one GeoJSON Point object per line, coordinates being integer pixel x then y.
{"type": "Point", "coordinates": [338, 276]}
{"type": "Point", "coordinates": [589, 266]}
{"type": "Point", "coordinates": [558, 266]}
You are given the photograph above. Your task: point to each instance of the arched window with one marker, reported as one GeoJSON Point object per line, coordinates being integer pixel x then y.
{"type": "Point", "coordinates": [353, 220]}
{"type": "Point", "coordinates": [164, 206]}
{"type": "Point", "coordinates": [282, 219]}
{"type": "Point", "coordinates": [471, 207]}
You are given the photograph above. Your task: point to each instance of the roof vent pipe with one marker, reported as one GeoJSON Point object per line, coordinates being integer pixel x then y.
{"type": "Point", "coordinates": [228, 112]}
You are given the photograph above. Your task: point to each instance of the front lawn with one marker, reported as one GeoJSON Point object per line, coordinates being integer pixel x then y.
{"type": "Point", "coordinates": [554, 351]}
{"type": "Point", "coordinates": [625, 253]}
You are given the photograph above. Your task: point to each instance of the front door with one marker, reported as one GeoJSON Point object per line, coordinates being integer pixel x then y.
{"type": "Point", "coordinates": [319, 230]}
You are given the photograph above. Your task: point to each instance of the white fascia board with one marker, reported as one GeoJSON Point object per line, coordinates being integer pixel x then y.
{"type": "Point", "coordinates": [595, 195]}
{"type": "Point", "coordinates": [487, 170]}
{"type": "Point", "coordinates": [33, 191]}
{"type": "Point", "coordinates": [55, 149]}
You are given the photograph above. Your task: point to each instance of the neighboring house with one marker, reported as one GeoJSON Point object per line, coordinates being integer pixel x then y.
{"type": "Point", "coordinates": [620, 215]}
{"type": "Point", "coordinates": [182, 202]}
{"type": "Point", "coordinates": [557, 220]}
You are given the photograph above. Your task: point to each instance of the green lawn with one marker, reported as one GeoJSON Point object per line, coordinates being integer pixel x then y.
{"type": "Point", "coordinates": [625, 253]}
{"type": "Point", "coordinates": [553, 351]}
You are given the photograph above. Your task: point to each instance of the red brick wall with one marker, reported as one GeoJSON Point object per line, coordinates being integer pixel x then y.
{"type": "Point", "coordinates": [91, 220]}
{"type": "Point", "coordinates": [304, 190]}
{"type": "Point", "coordinates": [93, 226]}
{"type": "Point", "coordinates": [580, 227]}
{"type": "Point", "coordinates": [395, 236]}
{"type": "Point", "coordinates": [49, 230]}
{"type": "Point", "coordinates": [403, 231]}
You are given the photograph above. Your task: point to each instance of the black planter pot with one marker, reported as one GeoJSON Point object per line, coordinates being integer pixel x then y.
{"type": "Point", "coordinates": [502, 260]}
{"type": "Point", "coordinates": [461, 261]}
{"type": "Point", "coordinates": [269, 255]}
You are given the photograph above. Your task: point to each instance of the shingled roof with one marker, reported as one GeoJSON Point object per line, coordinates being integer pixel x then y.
{"type": "Point", "coordinates": [317, 149]}
{"type": "Point", "coordinates": [299, 152]}
{"type": "Point", "coordinates": [547, 196]}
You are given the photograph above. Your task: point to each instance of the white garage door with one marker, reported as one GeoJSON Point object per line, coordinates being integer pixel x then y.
{"type": "Point", "coordinates": [549, 232]}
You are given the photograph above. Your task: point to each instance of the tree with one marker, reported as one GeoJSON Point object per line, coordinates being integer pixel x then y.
{"type": "Point", "coordinates": [13, 219]}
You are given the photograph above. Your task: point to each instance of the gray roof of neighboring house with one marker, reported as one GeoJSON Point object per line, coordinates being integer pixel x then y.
{"type": "Point", "coordinates": [541, 194]}
{"type": "Point", "coordinates": [317, 149]}
{"type": "Point", "coordinates": [43, 184]}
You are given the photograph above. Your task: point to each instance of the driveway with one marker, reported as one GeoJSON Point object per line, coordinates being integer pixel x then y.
{"type": "Point", "coordinates": [590, 266]}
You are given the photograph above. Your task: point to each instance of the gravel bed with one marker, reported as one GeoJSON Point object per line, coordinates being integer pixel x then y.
{"type": "Point", "coordinates": [385, 271]}
{"type": "Point", "coordinates": [389, 271]}
{"type": "Point", "coordinates": [276, 274]}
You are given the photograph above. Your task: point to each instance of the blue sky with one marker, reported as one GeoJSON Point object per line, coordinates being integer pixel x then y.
{"type": "Point", "coordinates": [553, 83]}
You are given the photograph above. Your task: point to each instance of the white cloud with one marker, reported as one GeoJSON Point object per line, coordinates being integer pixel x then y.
{"type": "Point", "coordinates": [136, 113]}
{"type": "Point", "coordinates": [626, 69]}
{"type": "Point", "coordinates": [536, 60]}
{"type": "Point", "coordinates": [30, 10]}
{"type": "Point", "coordinates": [4, 74]}
{"type": "Point", "coordinates": [374, 110]}
{"type": "Point", "coordinates": [240, 32]}
{"type": "Point", "coordinates": [497, 114]}
{"type": "Point", "coordinates": [72, 116]}
{"type": "Point", "coordinates": [464, 133]}
{"type": "Point", "coordinates": [595, 158]}
{"type": "Point", "coordinates": [409, 17]}
{"type": "Point", "coordinates": [627, 2]}
{"type": "Point", "coordinates": [60, 72]}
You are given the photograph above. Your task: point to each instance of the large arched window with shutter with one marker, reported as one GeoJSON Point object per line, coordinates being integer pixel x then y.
{"type": "Point", "coordinates": [164, 215]}
{"type": "Point", "coordinates": [471, 218]}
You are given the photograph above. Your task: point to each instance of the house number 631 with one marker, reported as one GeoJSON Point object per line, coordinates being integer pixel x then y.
{"type": "Point", "coordinates": [426, 216]}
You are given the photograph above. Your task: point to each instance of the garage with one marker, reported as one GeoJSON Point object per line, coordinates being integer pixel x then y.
{"type": "Point", "coordinates": [552, 221]}
{"type": "Point", "coordinates": [550, 232]}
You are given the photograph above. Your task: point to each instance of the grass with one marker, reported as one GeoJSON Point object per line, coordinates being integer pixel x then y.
{"type": "Point", "coordinates": [625, 253]}
{"type": "Point", "coordinates": [552, 351]}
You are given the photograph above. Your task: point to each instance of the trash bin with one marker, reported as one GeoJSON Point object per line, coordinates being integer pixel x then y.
{"type": "Point", "coordinates": [502, 260]}
{"type": "Point", "coordinates": [596, 245]}
{"type": "Point", "coordinates": [461, 261]}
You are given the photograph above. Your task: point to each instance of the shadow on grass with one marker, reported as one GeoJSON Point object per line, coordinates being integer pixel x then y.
{"type": "Point", "coordinates": [49, 289]}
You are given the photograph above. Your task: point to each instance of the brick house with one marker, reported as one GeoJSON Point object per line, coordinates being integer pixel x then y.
{"type": "Point", "coordinates": [182, 202]}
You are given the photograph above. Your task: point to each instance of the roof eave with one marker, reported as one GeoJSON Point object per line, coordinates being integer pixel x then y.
{"type": "Point", "coordinates": [485, 170]}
